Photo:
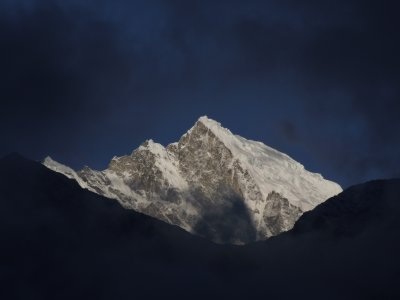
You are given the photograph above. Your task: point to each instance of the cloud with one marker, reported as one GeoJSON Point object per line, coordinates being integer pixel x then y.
{"type": "Point", "coordinates": [78, 77]}
{"type": "Point", "coordinates": [60, 70]}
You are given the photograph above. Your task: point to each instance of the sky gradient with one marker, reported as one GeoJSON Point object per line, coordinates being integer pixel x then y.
{"type": "Point", "coordinates": [83, 81]}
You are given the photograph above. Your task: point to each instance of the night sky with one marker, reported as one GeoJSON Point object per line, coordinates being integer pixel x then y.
{"type": "Point", "coordinates": [83, 81]}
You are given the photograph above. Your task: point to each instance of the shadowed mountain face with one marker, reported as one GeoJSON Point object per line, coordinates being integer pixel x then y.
{"type": "Point", "coordinates": [364, 209]}
{"type": "Point", "coordinates": [347, 246]}
{"type": "Point", "coordinates": [59, 241]}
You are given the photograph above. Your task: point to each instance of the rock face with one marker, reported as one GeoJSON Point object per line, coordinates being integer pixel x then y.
{"type": "Point", "coordinates": [211, 183]}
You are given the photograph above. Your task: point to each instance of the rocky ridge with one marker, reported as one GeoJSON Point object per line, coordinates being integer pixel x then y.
{"type": "Point", "coordinates": [211, 183]}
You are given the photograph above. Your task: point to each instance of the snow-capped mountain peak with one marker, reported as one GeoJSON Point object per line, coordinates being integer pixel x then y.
{"type": "Point", "coordinates": [273, 170]}
{"type": "Point", "coordinates": [200, 182]}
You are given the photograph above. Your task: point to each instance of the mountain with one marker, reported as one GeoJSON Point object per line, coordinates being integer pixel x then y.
{"type": "Point", "coordinates": [365, 208]}
{"type": "Point", "coordinates": [346, 248]}
{"type": "Point", "coordinates": [211, 183]}
{"type": "Point", "coordinates": [61, 241]}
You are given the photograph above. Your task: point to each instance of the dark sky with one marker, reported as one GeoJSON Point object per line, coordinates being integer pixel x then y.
{"type": "Point", "coordinates": [83, 81]}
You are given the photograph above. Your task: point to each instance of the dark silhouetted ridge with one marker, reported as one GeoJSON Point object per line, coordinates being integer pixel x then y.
{"type": "Point", "coordinates": [59, 241]}
{"type": "Point", "coordinates": [360, 209]}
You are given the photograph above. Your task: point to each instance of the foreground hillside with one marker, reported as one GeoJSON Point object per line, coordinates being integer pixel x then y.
{"type": "Point", "coordinates": [59, 241]}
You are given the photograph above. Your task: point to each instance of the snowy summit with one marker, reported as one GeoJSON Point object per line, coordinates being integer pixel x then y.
{"type": "Point", "coordinates": [212, 183]}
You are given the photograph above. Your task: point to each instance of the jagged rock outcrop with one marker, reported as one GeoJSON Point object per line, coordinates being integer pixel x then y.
{"type": "Point", "coordinates": [212, 183]}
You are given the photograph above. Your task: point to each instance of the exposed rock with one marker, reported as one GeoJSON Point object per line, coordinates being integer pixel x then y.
{"type": "Point", "coordinates": [212, 183]}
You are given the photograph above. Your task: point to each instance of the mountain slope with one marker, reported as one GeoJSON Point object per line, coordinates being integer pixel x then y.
{"type": "Point", "coordinates": [212, 183]}
{"type": "Point", "coordinates": [59, 240]}
{"type": "Point", "coordinates": [361, 209]}
{"type": "Point", "coordinates": [345, 248]}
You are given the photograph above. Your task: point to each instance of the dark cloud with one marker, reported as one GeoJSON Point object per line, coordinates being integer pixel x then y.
{"type": "Point", "coordinates": [60, 71]}
{"type": "Point", "coordinates": [85, 81]}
